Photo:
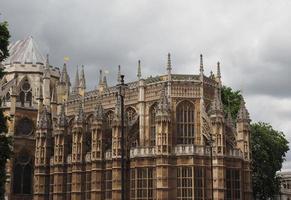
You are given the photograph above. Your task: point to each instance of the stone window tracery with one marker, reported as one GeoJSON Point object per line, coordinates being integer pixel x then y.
{"type": "Point", "coordinates": [185, 123]}
{"type": "Point", "coordinates": [25, 95]}
{"type": "Point", "coordinates": [184, 183]}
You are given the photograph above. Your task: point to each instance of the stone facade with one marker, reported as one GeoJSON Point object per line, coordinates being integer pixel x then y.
{"type": "Point", "coordinates": [177, 137]}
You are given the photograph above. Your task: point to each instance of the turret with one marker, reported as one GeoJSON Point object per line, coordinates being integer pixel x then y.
{"type": "Point", "coordinates": [141, 104]}
{"type": "Point", "coordinates": [43, 145]}
{"type": "Point", "coordinates": [78, 152]}
{"type": "Point", "coordinates": [163, 124]}
{"type": "Point", "coordinates": [60, 155]}
{"type": "Point", "coordinates": [64, 85]}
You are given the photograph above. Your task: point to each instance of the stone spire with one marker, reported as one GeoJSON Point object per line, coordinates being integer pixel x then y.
{"type": "Point", "coordinates": [119, 75]}
{"type": "Point", "coordinates": [80, 116]}
{"type": "Point", "coordinates": [216, 104]}
{"type": "Point", "coordinates": [62, 119]}
{"type": "Point", "coordinates": [243, 114]}
{"type": "Point", "coordinates": [76, 86]}
{"type": "Point", "coordinates": [138, 70]}
{"type": "Point", "coordinates": [64, 74]}
{"type": "Point", "coordinates": [100, 77]}
{"type": "Point", "coordinates": [82, 83]}
{"type": "Point", "coordinates": [218, 74]}
{"type": "Point", "coordinates": [169, 63]}
{"type": "Point", "coordinates": [201, 65]}
{"type": "Point", "coordinates": [164, 105]}
{"type": "Point", "coordinates": [99, 111]}
{"type": "Point", "coordinates": [47, 68]}
{"type": "Point", "coordinates": [105, 82]}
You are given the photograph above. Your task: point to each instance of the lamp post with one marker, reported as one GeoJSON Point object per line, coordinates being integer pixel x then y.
{"type": "Point", "coordinates": [210, 144]}
{"type": "Point", "coordinates": [121, 96]}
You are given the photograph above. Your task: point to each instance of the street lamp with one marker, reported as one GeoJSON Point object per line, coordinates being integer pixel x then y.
{"type": "Point", "coordinates": [209, 142]}
{"type": "Point", "coordinates": [121, 96]}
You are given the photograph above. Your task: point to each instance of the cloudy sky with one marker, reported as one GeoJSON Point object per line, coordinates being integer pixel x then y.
{"type": "Point", "coordinates": [251, 39]}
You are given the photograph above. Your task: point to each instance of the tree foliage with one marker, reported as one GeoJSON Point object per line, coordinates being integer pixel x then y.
{"type": "Point", "coordinates": [268, 147]}
{"type": "Point", "coordinates": [231, 100]}
{"type": "Point", "coordinates": [5, 141]}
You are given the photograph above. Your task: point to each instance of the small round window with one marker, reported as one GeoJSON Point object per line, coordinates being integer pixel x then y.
{"type": "Point", "coordinates": [24, 127]}
{"type": "Point", "coordinates": [26, 86]}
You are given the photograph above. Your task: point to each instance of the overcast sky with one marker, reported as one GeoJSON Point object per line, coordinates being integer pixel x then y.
{"type": "Point", "coordinates": [251, 39]}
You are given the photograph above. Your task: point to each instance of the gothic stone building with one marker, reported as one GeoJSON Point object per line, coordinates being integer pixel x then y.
{"type": "Point", "coordinates": [179, 143]}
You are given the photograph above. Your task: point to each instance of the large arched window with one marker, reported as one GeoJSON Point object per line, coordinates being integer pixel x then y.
{"type": "Point", "coordinates": [22, 173]}
{"type": "Point", "coordinates": [185, 123]}
{"type": "Point", "coordinates": [153, 112]}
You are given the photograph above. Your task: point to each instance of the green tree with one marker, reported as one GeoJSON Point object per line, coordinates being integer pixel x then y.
{"type": "Point", "coordinates": [268, 147]}
{"type": "Point", "coordinates": [231, 100]}
{"type": "Point", "coordinates": [5, 141]}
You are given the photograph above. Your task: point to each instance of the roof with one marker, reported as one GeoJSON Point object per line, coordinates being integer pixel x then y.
{"type": "Point", "coordinates": [24, 52]}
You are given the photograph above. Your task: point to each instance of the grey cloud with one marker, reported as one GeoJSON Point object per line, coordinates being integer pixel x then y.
{"type": "Point", "coordinates": [250, 39]}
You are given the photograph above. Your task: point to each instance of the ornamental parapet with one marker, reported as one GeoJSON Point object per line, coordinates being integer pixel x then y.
{"type": "Point", "coordinates": [235, 153]}
{"type": "Point", "coordinates": [190, 149]}
{"type": "Point", "coordinates": [142, 152]}
{"type": "Point", "coordinates": [181, 150]}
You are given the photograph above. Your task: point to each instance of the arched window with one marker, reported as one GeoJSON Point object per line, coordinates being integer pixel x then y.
{"type": "Point", "coordinates": [24, 127]}
{"type": "Point", "coordinates": [109, 118]}
{"type": "Point", "coordinates": [25, 95]}
{"type": "Point", "coordinates": [130, 114]}
{"type": "Point", "coordinates": [108, 131]}
{"type": "Point", "coordinates": [22, 173]}
{"type": "Point", "coordinates": [185, 123]}
{"type": "Point", "coordinates": [153, 111]}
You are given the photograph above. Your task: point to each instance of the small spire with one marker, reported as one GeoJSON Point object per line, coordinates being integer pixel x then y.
{"type": "Point", "coordinates": [218, 74]}
{"type": "Point", "coordinates": [138, 70]}
{"type": "Point", "coordinates": [169, 63]}
{"type": "Point", "coordinates": [105, 82]}
{"type": "Point", "coordinates": [201, 64]}
{"type": "Point", "coordinates": [100, 77]}
{"type": "Point", "coordinates": [243, 113]}
{"type": "Point", "coordinates": [47, 68]}
{"type": "Point", "coordinates": [82, 79]}
{"type": "Point", "coordinates": [119, 75]}
{"type": "Point", "coordinates": [62, 119]}
{"type": "Point", "coordinates": [47, 60]}
{"type": "Point", "coordinates": [216, 104]}
{"type": "Point", "coordinates": [76, 86]}
{"type": "Point", "coordinates": [64, 75]}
